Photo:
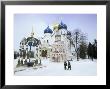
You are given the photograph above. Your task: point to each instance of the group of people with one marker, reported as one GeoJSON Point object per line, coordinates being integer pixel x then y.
{"type": "Point", "coordinates": [67, 66]}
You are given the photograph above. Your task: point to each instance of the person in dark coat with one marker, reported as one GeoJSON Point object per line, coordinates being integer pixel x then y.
{"type": "Point", "coordinates": [65, 64]}
{"type": "Point", "coordinates": [69, 65]}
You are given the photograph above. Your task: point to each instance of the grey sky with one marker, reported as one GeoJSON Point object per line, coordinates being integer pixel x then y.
{"type": "Point", "coordinates": [23, 24]}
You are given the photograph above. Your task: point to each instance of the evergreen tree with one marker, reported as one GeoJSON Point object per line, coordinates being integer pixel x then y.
{"type": "Point", "coordinates": [83, 50]}
{"type": "Point", "coordinates": [16, 54]}
{"type": "Point", "coordinates": [92, 50]}
{"type": "Point", "coordinates": [89, 50]}
{"type": "Point", "coordinates": [83, 46]}
{"type": "Point", "coordinates": [95, 49]}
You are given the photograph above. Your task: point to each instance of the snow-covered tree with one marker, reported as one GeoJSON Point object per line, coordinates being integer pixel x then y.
{"type": "Point", "coordinates": [79, 40]}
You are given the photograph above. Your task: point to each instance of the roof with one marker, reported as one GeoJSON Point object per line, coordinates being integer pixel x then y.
{"type": "Point", "coordinates": [48, 30]}
{"type": "Point", "coordinates": [62, 26]}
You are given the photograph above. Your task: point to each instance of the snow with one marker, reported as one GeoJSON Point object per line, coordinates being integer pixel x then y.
{"type": "Point", "coordinates": [85, 67]}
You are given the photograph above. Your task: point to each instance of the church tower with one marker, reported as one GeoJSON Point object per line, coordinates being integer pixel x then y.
{"type": "Point", "coordinates": [46, 44]}
{"type": "Point", "coordinates": [47, 38]}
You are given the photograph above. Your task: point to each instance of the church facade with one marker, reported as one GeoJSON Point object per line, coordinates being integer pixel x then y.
{"type": "Point", "coordinates": [56, 43]}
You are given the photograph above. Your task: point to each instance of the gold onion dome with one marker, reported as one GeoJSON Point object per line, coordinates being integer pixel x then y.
{"type": "Point", "coordinates": [55, 26]}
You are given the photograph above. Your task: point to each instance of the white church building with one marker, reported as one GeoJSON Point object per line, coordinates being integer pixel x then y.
{"type": "Point", "coordinates": [56, 43]}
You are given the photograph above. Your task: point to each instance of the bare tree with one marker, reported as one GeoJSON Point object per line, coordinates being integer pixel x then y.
{"type": "Point", "coordinates": [77, 37]}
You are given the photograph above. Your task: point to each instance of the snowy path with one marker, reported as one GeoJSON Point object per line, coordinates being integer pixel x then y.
{"type": "Point", "coordinates": [79, 68]}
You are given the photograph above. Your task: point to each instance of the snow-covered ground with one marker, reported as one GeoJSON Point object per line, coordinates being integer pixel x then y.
{"type": "Point", "coordinates": [84, 67]}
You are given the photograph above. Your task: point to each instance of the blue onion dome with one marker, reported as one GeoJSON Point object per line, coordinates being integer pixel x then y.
{"type": "Point", "coordinates": [48, 30]}
{"type": "Point", "coordinates": [62, 26]}
{"type": "Point", "coordinates": [68, 33]}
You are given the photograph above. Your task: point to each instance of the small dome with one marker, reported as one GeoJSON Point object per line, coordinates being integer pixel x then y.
{"type": "Point", "coordinates": [48, 30]}
{"type": "Point", "coordinates": [68, 33]}
{"type": "Point", "coordinates": [62, 26]}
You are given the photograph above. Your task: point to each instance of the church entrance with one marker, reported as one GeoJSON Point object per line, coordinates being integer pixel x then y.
{"type": "Point", "coordinates": [44, 53]}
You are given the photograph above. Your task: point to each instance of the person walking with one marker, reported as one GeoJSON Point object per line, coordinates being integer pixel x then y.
{"type": "Point", "coordinates": [69, 65]}
{"type": "Point", "coordinates": [65, 64]}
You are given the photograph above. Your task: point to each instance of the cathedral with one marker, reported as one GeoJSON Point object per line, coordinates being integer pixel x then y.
{"type": "Point", "coordinates": [55, 45]}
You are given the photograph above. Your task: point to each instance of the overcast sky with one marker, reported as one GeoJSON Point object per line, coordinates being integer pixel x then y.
{"type": "Point", "coordinates": [23, 24]}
